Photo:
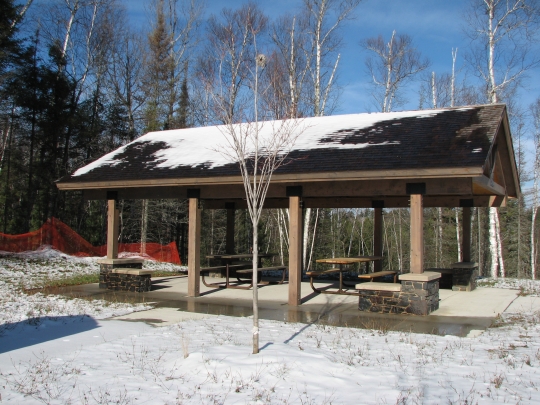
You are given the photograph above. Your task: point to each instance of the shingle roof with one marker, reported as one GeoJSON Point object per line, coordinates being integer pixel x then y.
{"type": "Point", "coordinates": [445, 138]}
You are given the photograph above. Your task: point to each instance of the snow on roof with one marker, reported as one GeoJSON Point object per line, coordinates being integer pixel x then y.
{"type": "Point", "coordinates": [208, 145]}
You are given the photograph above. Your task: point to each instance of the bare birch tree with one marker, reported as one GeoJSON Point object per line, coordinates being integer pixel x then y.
{"type": "Point", "coordinates": [502, 33]}
{"type": "Point", "coordinates": [391, 65]}
{"type": "Point", "coordinates": [535, 109]}
{"type": "Point", "coordinates": [259, 148]}
{"type": "Point", "coordinates": [309, 47]}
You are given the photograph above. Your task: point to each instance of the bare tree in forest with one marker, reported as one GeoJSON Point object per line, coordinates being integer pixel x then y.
{"type": "Point", "coordinates": [535, 109]}
{"type": "Point", "coordinates": [502, 34]}
{"type": "Point", "coordinates": [391, 65]}
{"type": "Point", "coordinates": [223, 69]}
{"type": "Point", "coordinates": [167, 57]}
{"type": "Point", "coordinates": [321, 22]}
{"type": "Point", "coordinates": [309, 47]}
{"type": "Point", "coordinates": [125, 74]}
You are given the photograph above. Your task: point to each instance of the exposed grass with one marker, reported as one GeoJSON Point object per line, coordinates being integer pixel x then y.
{"type": "Point", "coordinates": [76, 279]}
{"type": "Point", "coordinates": [168, 273]}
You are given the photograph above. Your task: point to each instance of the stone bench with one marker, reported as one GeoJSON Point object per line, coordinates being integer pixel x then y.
{"type": "Point", "coordinates": [461, 276]}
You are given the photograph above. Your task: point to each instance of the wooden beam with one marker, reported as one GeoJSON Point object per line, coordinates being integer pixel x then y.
{"type": "Point", "coordinates": [377, 237]}
{"type": "Point", "coordinates": [229, 236]}
{"type": "Point", "coordinates": [334, 189]}
{"type": "Point", "coordinates": [113, 220]}
{"type": "Point", "coordinates": [483, 185]}
{"type": "Point", "coordinates": [194, 250]}
{"type": "Point", "coordinates": [497, 201]}
{"type": "Point", "coordinates": [295, 251]}
{"type": "Point", "coordinates": [506, 150]}
{"type": "Point", "coordinates": [417, 234]}
{"type": "Point", "coordinates": [466, 237]}
{"type": "Point", "coordinates": [358, 202]}
{"type": "Point", "coordinates": [198, 182]}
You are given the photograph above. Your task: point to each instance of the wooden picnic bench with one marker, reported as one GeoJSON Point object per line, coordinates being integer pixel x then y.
{"type": "Point", "coordinates": [226, 268]}
{"type": "Point", "coordinates": [283, 270]}
{"type": "Point", "coordinates": [314, 274]}
{"type": "Point", "coordinates": [378, 274]}
{"type": "Point", "coordinates": [341, 262]}
{"type": "Point", "coordinates": [239, 269]}
{"type": "Point", "coordinates": [341, 269]}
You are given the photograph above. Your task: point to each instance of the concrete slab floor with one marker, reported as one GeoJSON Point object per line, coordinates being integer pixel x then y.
{"type": "Point", "coordinates": [460, 313]}
{"type": "Point", "coordinates": [524, 304]}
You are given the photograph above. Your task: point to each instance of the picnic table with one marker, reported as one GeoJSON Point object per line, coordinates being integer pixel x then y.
{"type": "Point", "coordinates": [228, 265]}
{"type": "Point", "coordinates": [341, 262]}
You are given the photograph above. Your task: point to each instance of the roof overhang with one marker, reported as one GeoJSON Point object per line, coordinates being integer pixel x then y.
{"type": "Point", "coordinates": [416, 174]}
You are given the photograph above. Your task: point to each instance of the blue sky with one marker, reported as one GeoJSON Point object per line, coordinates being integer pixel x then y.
{"type": "Point", "coordinates": [434, 25]}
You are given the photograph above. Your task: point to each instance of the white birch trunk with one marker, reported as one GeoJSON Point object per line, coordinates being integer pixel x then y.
{"type": "Point", "coordinates": [398, 242]}
{"type": "Point", "coordinates": [439, 236]}
{"type": "Point", "coordinates": [313, 240]}
{"type": "Point", "coordinates": [533, 243]}
{"type": "Point", "coordinates": [144, 225]}
{"type": "Point", "coordinates": [305, 236]}
{"type": "Point", "coordinates": [255, 289]}
{"type": "Point", "coordinates": [453, 79]}
{"type": "Point", "coordinates": [352, 232]}
{"type": "Point", "coordinates": [493, 242]}
{"type": "Point", "coordinates": [433, 90]}
{"type": "Point", "coordinates": [280, 231]}
{"type": "Point", "coordinates": [69, 25]}
{"type": "Point", "coordinates": [388, 85]}
{"type": "Point", "coordinates": [458, 239]}
{"type": "Point", "coordinates": [499, 245]}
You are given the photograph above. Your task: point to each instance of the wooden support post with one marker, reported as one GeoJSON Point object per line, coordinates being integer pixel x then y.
{"type": "Point", "coordinates": [378, 237]}
{"type": "Point", "coordinates": [113, 220]}
{"type": "Point", "coordinates": [194, 245]}
{"type": "Point", "coordinates": [295, 250]}
{"type": "Point", "coordinates": [229, 237]}
{"type": "Point", "coordinates": [417, 234]}
{"type": "Point", "coordinates": [466, 237]}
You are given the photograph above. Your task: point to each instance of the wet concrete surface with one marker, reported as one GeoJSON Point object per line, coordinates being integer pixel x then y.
{"type": "Point", "coordinates": [167, 294]}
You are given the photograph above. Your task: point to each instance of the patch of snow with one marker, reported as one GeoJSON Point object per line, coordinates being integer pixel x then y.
{"type": "Point", "coordinates": [201, 146]}
{"type": "Point", "coordinates": [527, 287]}
{"type": "Point", "coordinates": [209, 361]}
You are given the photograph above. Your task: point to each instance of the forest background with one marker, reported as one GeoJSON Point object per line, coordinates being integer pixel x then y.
{"type": "Point", "coordinates": [79, 78]}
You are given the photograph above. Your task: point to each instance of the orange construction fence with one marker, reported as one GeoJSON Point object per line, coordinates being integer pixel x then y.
{"type": "Point", "coordinates": [61, 237]}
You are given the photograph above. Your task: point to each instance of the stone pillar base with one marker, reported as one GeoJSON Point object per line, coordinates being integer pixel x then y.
{"type": "Point", "coordinates": [106, 266]}
{"type": "Point", "coordinates": [418, 294]}
{"type": "Point", "coordinates": [383, 298]}
{"type": "Point", "coordinates": [130, 280]}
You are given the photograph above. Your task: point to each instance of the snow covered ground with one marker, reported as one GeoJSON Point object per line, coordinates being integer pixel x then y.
{"type": "Point", "coordinates": [527, 287]}
{"type": "Point", "coordinates": [28, 270]}
{"type": "Point", "coordinates": [61, 351]}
